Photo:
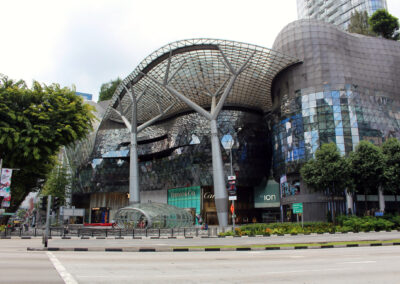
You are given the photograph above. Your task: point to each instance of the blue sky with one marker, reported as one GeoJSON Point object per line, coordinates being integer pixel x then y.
{"type": "Point", "coordinates": [89, 42]}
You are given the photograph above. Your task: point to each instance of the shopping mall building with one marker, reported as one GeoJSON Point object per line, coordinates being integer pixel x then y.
{"type": "Point", "coordinates": [193, 104]}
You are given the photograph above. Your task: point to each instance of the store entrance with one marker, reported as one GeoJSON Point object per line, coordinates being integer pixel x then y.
{"type": "Point", "coordinates": [100, 215]}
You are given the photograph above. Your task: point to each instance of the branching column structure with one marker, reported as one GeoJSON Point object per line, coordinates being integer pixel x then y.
{"type": "Point", "coordinates": [220, 192]}
{"type": "Point", "coordinates": [134, 129]}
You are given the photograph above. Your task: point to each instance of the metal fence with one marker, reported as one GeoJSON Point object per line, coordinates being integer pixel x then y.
{"type": "Point", "coordinates": [112, 232]}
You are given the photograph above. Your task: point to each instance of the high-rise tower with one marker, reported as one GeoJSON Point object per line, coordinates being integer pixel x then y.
{"type": "Point", "coordinates": [336, 12]}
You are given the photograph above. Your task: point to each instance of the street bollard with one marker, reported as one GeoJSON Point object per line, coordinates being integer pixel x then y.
{"type": "Point", "coordinates": [184, 232]}
{"type": "Point", "coordinates": [44, 240]}
{"type": "Point", "coordinates": [133, 233]}
{"type": "Point", "coordinates": [106, 233]}
{"type": "Point", "coordinates": [159, 232]}
{"type": "Point", "coordinates": [197, 232]}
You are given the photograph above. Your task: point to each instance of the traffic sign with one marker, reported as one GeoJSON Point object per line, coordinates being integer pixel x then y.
{"type": "Point", "coordinates": [234, 197]}
{"type": "Point", "coordinates": [231, 177]}
{"type": "Point", "coordinates": [297, 208]}
{"type": "Point", "coordinates": [232, 192]}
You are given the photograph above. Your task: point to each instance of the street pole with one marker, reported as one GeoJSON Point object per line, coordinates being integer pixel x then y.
{"type": "Point", "coordinates": [233, 201]}
{"type": "Point", "coordinates": [46, 235]}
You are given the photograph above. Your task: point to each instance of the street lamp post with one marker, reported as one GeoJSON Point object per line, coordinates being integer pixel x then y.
{"type": "Point", "coordinates": [233, 201]}
{"type": "Point", "coordinates": [227, 143]}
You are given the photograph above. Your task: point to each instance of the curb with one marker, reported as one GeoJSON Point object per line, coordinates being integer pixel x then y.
{"type": "Point", "coordinates": [211, 249]}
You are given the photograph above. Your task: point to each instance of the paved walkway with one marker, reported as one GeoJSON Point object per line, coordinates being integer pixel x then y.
{"type": "Point", "coordinates": [202, 243]}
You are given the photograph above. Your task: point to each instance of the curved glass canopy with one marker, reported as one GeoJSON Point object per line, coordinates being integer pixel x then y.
{"type": "Point", "coordinates": [153, 215]}
{"type": "Point", "coordinates": [197, 67]}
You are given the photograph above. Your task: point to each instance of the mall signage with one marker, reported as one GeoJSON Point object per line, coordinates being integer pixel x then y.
{"type": "Point", "coordinates": [267, 196]}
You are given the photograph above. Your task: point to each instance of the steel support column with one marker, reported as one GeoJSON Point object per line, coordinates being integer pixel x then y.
{"type": "Point", "coordinates": [220, 192]}
{"type": "Point", "coordinates": [134, 191]}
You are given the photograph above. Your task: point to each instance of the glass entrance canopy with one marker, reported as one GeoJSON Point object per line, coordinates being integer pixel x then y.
{"type": "Point", "coordinates": [196, 67]}
{"type": "Point", "coordinates": [153, 215]}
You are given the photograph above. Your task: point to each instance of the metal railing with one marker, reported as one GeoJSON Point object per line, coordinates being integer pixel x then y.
{"type": "Point", "coordinates": [112, 232]}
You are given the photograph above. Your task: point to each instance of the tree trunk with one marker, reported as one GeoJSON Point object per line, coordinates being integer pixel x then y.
{"type": "Point", "coordinates": [333, 209]}
{"type": "Point", "coordinates": [366, 203]}
{"type": "Point", "coordinates": [396, 201]}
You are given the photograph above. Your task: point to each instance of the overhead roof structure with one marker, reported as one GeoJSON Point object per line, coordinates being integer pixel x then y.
{"type": "Point", "coordinates": [199, 68]}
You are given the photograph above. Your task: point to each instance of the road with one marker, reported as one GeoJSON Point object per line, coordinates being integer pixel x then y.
{"type": "Point", "coordinates": [339, 265]}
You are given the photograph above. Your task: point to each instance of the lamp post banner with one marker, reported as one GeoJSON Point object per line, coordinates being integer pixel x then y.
{"type": "Point", "coordinates": [5, 184]}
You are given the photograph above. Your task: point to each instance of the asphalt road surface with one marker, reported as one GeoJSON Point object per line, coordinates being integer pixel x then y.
{"type": "Point", "coordinates": [339, 265]}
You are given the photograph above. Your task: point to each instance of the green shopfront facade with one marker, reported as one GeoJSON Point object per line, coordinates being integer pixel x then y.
{"type": "Point", "coordinates": [189, 198]}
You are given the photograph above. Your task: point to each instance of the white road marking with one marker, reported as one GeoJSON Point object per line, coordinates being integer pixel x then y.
{"type": "Point", "coordinates": [296, 256]}
{"type": "Point", "coordinates": [360, 262]}
{"type": "Point", "coordinates": [303, 271]}
{"type": "Point", "coordinates": [65, 275]}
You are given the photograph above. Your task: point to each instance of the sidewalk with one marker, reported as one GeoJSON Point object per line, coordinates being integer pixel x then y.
{"type": "Point", "coordinates": [158, 244]}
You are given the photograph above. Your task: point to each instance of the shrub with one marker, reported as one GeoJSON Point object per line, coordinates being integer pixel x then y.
{"type": "Point", "coordinates": [345, 224]}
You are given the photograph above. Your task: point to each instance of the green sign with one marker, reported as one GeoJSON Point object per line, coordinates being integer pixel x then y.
{"type": "Point", "coordinates": [297, 208]}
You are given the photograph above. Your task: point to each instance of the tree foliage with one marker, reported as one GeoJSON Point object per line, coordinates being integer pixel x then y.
{"type": "Point", "coordinates": [328, 172]}
{"type": "Point", "coordinates": [391, 154]}
{"type": "Point", "coordinates": [56, 182]}
{"type": "Point", "coordinates": [34, 123]}
{"type": "Point", "coordinates": [367, 166]}
{"type": "Point", "coordinates": [107, 89]}
{"type": "Point", "coordinates": [384, 24]}
{"type": "Point", "coordinates": [359, 24]}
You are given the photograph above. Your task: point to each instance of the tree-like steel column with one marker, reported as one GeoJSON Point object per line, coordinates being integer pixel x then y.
{"type": "Point", "coordinates": [220, 192]}
{"type": "Point", "coordinates": [134, 189]}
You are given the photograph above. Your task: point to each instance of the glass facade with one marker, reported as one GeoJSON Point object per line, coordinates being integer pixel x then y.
{"type": "Point", "coordinates": [336, 12]}
{"type": "Point", "coordinates": [189, 197]}
{"type": "Point", "coordinates": [177, 153]}
{"type": "Point", "coordinates": [343, 116]}
{"type": "Point", "coordinates": [153, 215]}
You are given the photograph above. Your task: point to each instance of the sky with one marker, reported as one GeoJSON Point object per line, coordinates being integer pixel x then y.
{"type": "Point", "coordinates": [85, 43]}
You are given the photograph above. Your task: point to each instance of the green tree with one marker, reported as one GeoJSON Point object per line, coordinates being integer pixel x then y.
{"type": "Point", "coordinates": [56, 182]}
{"type": "Point", "coordinates": [328, 172]}
{"type": "Point", "coordinates": [359, 24]}
{"type": "Point", "coordinates": [34, 124]}
{"type": "Point", "coordinates": [384, 24]}
{"type": "Point", "coordinates": [367, 165]}
{"type": "Point", "coordinates": [107, 89]}
{"type": "Point", "coordinates": [391, 154]}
